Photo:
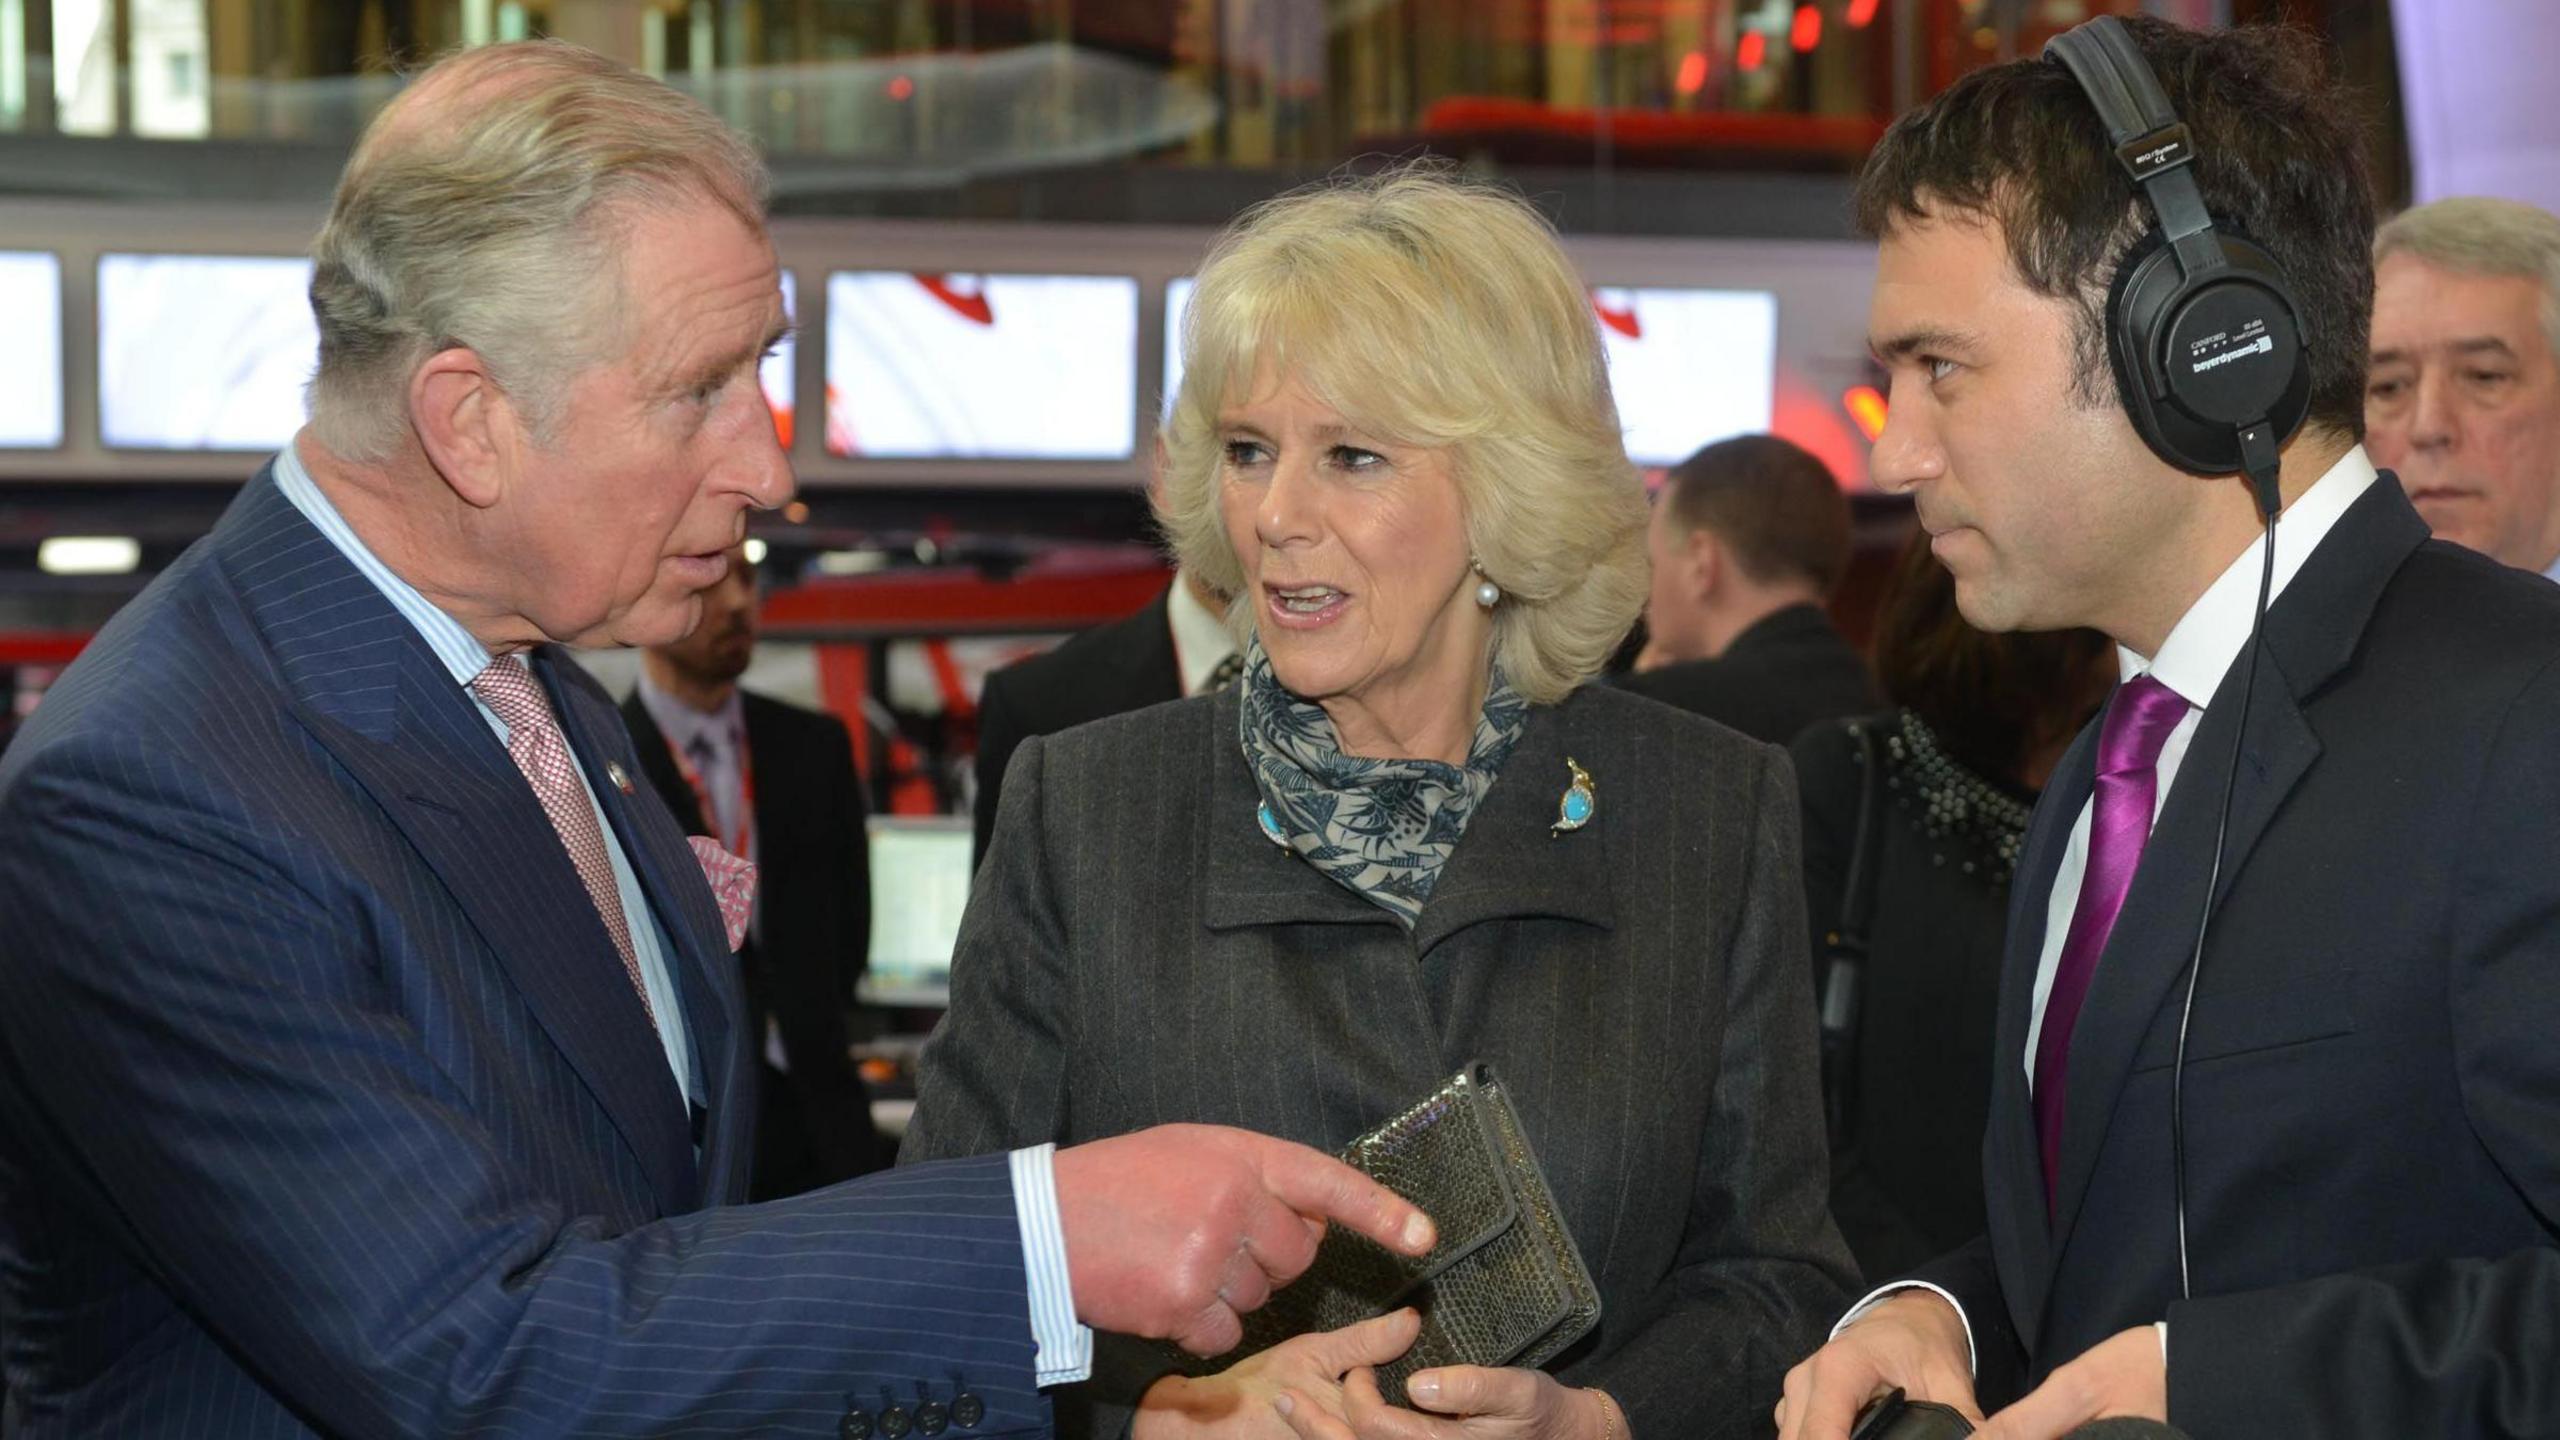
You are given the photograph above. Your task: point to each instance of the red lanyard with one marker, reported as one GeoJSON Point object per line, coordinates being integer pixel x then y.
{"type": "Point", "coordinates": [743, 843]}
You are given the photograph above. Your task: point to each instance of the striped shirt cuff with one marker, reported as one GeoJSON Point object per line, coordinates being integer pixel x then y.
{"type": "Point", "coordinates": [1066, 1347]}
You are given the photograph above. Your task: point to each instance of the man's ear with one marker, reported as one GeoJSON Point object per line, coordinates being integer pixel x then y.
{"type": "Point", "coordinates": [1703, 557]}
{"type": "Point", "coordinates": [465, 424]}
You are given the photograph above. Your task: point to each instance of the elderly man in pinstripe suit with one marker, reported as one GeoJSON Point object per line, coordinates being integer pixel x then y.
{"type": "Point", "coordinates": [371, 1062]}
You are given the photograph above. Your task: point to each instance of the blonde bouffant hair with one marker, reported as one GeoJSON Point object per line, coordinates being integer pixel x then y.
{"type": "Point", "coordinates": [1431, 311]}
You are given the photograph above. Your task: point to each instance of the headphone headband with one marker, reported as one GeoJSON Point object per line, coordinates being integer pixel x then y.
{"type": "Point", "coordinates": [2151, 142]}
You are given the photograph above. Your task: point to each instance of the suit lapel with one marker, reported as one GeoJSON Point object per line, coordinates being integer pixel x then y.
{"type": "Point", "coordinates": [1511, 862]}
{"type": "Point", "coordinates": [697, 951]}
{"type": "Point", "coordinates": [364, 684]}
{"type": "Point", "coordinates": [2311, 633]}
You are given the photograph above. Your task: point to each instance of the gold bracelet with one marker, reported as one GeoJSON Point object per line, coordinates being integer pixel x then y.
{"type": "Point", "coordinates": [1608, 1411]}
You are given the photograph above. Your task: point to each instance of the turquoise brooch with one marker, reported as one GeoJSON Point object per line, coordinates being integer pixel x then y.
{"type": "Point", "coordinates": [1270, 825]}
{"type": "Point", "coordinates": [1579, 803]}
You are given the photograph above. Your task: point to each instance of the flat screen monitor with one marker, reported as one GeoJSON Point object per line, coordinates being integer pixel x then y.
{"type": "Point", "coordinates": [920, 873]}
{"type": "Point", "coordinates": [1688, 367]}
{"type": "Point", "coordinates": [775, 371]}
{"type": "Point", "coordinates": [1177, 303]}
{"type": "Point", "coordinates": [30, 350]}
{"type": "Point", "coordinates": [990, 367]}
{"type": "Point", "coordinates": [203, 352]}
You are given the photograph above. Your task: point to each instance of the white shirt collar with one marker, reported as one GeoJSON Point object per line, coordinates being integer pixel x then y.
{"type": "Point", "coordinates": [681, 723]}
{"type": "Point", "coordinates": [2204, 642]}
{"type": "Point", "coordinates": [461, 652]}
{"type": "Point", "coordinates": [1200, 636]}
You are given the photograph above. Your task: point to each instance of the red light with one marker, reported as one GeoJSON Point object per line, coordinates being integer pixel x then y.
{"type": "Point", "coordinates": [1753, 49]}
{"type": "Point", "coordinates": [1693, 72]}
{"type": "Point", "coordinates": [1860, 12]}
{"type": "Point", "coordinates": [1866, 406]}
{"type": "Point", "coordinates": [1807, 31]}
{"type": "Point", "coordinates": [902, 88]}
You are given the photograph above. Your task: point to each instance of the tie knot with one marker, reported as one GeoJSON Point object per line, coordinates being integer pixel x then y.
{"type": "Point", "coordinates": [506, 686]}
{"type": "Point", "coordinates": [2138, 724]}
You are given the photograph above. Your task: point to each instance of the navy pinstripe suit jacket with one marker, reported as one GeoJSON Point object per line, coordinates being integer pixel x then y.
{"type": "Point", "coordinates": [326, 1107]}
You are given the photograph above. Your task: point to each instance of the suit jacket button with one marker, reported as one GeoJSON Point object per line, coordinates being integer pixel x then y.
{"type": "Point", "coordinates": [932, 1418]}
{"type": "Point", "coordinates": [967, 1411]}
{"type": "Point", "coordinates": [856, 1425]}
{"type": "Point", "coordinates": [895, 1422]}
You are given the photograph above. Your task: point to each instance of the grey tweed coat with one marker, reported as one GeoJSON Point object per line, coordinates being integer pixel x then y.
{"type": "Point", "coordinates": [1137, 952]}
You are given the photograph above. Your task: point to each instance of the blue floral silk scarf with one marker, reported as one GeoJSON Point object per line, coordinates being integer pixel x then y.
{"type": "Point", "coordinates": [1379, 828]}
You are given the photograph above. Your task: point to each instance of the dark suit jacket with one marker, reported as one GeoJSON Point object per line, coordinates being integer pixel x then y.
{"type": "Point", "coordinates": [2372, 1088]}
{"type": "Point", "coordinates": [325, 1104]}
{"type": "Point", "coordinates": [1138, 952]}
{"type": "Point", "coordinates": [1776, 678]}
{"type": "Point", "coordinates": [813, 928]}
{"type": "Point", "coordinates": [1128, 664]}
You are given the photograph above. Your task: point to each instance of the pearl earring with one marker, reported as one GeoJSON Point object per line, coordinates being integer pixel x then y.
{"type": "Point", "coordinates": [1488, 594]}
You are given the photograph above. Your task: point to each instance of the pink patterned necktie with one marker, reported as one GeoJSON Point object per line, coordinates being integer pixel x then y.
{"type": "Point", "coordinates": [2137, 725]}
{"type": "Point", "coordinates": [535, 743]}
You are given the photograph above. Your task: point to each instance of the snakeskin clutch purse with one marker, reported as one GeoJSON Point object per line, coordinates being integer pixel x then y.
{"type": "Point", "coordinates": [1505, 1285]}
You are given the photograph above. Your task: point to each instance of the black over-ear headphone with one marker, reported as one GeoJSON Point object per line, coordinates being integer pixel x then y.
{"type": "Point", "coordinates": [2204, 333]}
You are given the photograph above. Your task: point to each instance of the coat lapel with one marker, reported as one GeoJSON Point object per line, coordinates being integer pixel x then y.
{"type": "Point", "coordinates": [364, 684]}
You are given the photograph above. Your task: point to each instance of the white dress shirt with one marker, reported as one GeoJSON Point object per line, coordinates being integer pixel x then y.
{"type": "Point", "coordinates": [1065, 1352]}
{"type": "Point", "coordinates": [1200, 636]}
{"type": "Point", "coordinates": [2192, 661]}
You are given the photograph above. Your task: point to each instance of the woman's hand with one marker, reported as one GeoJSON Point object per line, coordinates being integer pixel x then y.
{"type": "Point", "coordinates": [1459, 1402]}
{"type": "Point", "coordinates": [1236, 1403]}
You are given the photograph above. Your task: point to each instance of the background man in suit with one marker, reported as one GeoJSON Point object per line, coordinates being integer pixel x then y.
{"type": "Point", "coordinates": [1177, 646]}
{"type": "Point", "coordinates": [1749, 536]}
{"type": "Point", "coordinates": [2371, 1102]}
{"type": "Point", "coordinates": [374, 1063]}
{"type": "Point", "coordinates": [704, 743]}
{"type": "Point", "coordinates": [2464, 400]}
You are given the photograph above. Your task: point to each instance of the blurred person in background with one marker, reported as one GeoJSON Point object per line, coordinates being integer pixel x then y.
{"type": "Point", "coordinates": [2463, 401]}
{"type": "Point", "coordinates": [1749, 538]}
{"type": "Point", "coordinates": [1945, 780]}
{"type": "Point", "coordinates": [773, 784]}
{"type": "Point", "coordinates": [1412, 836]}
{"type": "Point", "coordinates": [1177, 645]}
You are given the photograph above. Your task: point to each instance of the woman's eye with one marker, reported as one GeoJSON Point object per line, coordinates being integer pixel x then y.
{"type": "Point", "coordinates": [1352, 457]}
{"type": "Point", "coordinates": [1244, 452]}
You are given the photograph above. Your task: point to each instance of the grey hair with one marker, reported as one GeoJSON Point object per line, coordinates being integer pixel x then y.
{"type": "Point", "coordinates": [2480, 235]}
{"type": "Point", "coordinates": [488, 222]}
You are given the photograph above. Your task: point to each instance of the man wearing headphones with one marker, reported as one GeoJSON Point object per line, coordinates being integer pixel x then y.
{"type": "Point", "coordinates": [2285, 1161]}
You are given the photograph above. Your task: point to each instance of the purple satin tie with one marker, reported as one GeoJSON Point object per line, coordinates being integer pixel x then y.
{"type": "Point", "coordinates": [2138, 723]}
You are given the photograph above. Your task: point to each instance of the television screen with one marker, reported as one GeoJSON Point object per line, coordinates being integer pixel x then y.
{"type": "Point", "coordinates": [775, 371]}
{"type": "Point", "coordinates": [203, 352]}
{"type": "Point", "coordinates": [30, 351]}
{"type": "Point", "coordinates": [1688, 367]}
{"type": "Point", "coordinates": [1177, 301]}
{"type": "Point", "coordinates": [995, 367]}
{"type": "Point", "coordinates": [920, 874]}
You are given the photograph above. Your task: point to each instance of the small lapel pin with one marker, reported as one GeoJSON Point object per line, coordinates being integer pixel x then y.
{"type": "Point", "coordinates": [613, 771]}
{"type": "Point", "coordinates": [1579, 803]}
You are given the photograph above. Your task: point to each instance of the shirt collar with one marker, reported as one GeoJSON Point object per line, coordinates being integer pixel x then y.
{"type": "Point", "coordinates": [2204, 642]}
{"type": "Point", "coordinates": [682, 724]}
{"type": "Point", "coordinates": [1200, 635]}
{"type": "Point", "coordinates": [463, 655]}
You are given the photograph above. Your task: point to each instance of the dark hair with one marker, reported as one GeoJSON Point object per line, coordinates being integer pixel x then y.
{"type": "Point", "coordinates": [1771, 501]}
{"type": "Point", "coordinates": [2278, 156]}
{"type": "Point", "coordinates": [1992, 699]}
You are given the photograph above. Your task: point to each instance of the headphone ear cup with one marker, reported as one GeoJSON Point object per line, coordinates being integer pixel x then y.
{"type": "Point", "coordinates": [2195, 359]}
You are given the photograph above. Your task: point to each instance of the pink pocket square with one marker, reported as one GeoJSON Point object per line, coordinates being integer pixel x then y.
{"type": "Point", "coordinates": [733, 884]}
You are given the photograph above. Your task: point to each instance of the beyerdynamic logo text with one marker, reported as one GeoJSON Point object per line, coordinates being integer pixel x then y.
{"type": "Point", "coordinates": [2264, 345]}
